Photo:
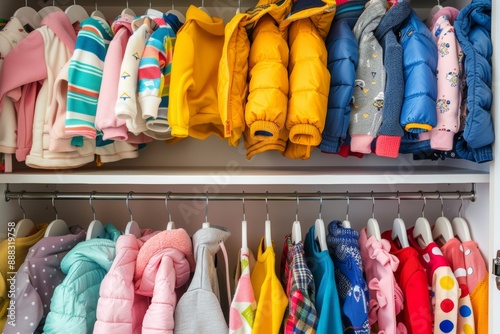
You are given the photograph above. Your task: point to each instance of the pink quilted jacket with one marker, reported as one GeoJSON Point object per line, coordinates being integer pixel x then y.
{"type": "Point", "coordinates": [163, 268]}
{"type": "Point", "coordinates": [119, 309]}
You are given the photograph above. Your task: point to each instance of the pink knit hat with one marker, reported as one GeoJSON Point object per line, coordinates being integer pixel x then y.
{"type": "Point", "coordinates": [177, 239]}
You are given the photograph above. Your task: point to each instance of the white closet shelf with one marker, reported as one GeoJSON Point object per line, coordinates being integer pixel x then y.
{"type": "Point", "coordinates": [251, 176]}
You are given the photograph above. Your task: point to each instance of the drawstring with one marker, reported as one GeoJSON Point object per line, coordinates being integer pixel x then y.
{"type": "Point", "coordinates": [224, 252]}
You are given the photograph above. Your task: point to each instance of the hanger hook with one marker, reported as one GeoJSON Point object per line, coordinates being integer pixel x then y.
{"type": "Point", "coordinates": [425, 202]}
{"type": "Point", "coordinates": [166, 206]}
{"type": "Point", "coordinates": [19, 203]}
{"type": "Point", "coordinates": [127, 3]}
{"type": "Point", "coordinates": [297, 207]}
{"type": "Point", "coordinates": [373, 206]}
{"type": "Point", "coordinates": [461, 204]}
{"type": "Point", "coordinates": [244, 214]}
{"type": "Point", "coordinates": [54, 196]}
{"type": "Point", "coordinates": [347, 209]}
{"type": "Point", "coordinates": [206, 208]}
{"type": "Point", "coordinates": [442, 204]}
{"type": "Point", "coordinates": [267, 207]}
{"type": "Point", "coordinates": [399, 204]}
{"type": "Point", "coordinates": [90, 202]}
{"type": "Point", "coordinates": [320, 203]}
{"type": "Point", "coordinates": [129, 196]}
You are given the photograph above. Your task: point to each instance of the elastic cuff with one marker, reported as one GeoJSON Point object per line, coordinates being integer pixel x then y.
{"type": "Point", "coordinates": [361, 143]}
{"type": "Point", "coordinates": [264, 130]}
{"type": "Point", "coordinates": [263, 146]}
{"type": "Point", "coordinates": [387, 146]}
{"type": "Point", "coordinates": [149, 106]}
{"type": "Point", "coordinates": [305, 134]}
{"type": "Point", "coordinates": [297, 151]}
{"type": "Point", "coordinates": [179, 131]}
{"type": "Point", "coordinates": [116, 133]}
{"type": "Point", "coordinates": [442, 140]}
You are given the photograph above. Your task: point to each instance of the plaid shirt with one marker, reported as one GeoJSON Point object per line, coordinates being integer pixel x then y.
{"type": "Point", "coordinates": [301, 316]}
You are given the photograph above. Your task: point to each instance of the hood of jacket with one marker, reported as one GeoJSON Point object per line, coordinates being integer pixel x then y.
{"type": "Point", "coordinates": [59, 23]}
{"type": "Point", "coordinates": [209, 238]}
{"type": "Point", "coordinates": [370, 18]}
{"type": "Point", "coordinates": [393, 19]}
{"type": "Point", "coordinates": [320, 12]}
{"type": "Point", "coordinates": [99, 250]}
{"type": "Point", "coordinates": [176, 239]}
{"type": "Point", "coordinates": [349, 10]}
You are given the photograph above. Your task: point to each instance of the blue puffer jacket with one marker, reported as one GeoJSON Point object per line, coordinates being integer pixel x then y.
{"type": "Point", "coordinates": [419, 63]}
{"type": "Point", "coordinates": [473, 31]}
{"type": "Point", "coordinates": [342, 50]}
{"type": "Point", "coordinates": [74, 303]}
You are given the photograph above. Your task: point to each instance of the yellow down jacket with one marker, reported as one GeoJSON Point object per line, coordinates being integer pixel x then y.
{"type": "Point", "coordinates": [253, 78]}
{"type": "Point", "coordinates": [306, 30]}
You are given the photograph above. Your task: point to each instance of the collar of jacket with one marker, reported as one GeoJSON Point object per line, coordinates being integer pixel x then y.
{"type": "Point", "coordinates": [393, 18]}
{"type": "Point", "coordinates": [320, 13]}
{"type": "Point", "coordinates": [277, 9]}
{"type": "Point", "coordinates": [213, 25]}
{"type": "Point", "coordinates": [477, 13]}
{"type": "Point", "coordinates": [59, 23]}
{"type": "Point", "coordinates": [349, 10]}
{"type": "Point", "coordinates": [123, 20]}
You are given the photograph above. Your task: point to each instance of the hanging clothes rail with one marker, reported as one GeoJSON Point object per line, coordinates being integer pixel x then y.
{"type": "Point", "coordinates": [416, 195]}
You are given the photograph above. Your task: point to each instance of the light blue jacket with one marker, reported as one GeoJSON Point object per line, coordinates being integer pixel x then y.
{"type": "Point", "coordinates": [74, 303]}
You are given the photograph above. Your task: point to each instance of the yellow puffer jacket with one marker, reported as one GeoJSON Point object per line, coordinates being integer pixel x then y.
{"type": "Point", "coordinates": [306, 30]}
{"type": "Point", "coordinates": [253, 79]}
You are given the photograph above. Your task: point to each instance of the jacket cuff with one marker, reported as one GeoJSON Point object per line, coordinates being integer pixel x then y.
{"type": "Point", "coordinates": [361, 143]}
{"type": "Point", "coordinates": [264, 130]}
{"type": "Point", "coordinates": [305, 134]}
{"type": "Point", "coordinates": [297, 151]}
{"type": "Point", "coordinates": [442, 140]}
{"type": "Point", "coordinates": [149, 106]}
{"type": "Point", "coordinates": [388, 146]}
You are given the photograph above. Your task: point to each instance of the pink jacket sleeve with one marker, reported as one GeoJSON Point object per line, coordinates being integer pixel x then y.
{"type": "Point", "coordinates": [106, 121]}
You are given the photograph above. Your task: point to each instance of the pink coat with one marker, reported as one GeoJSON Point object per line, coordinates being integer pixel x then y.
{"type": "Point", "coordinates": [163, 268]}
{"type": "Point", "coordinates": [119, 309]}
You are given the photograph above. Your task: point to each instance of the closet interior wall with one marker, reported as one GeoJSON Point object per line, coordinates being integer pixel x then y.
{"type": "Point", "coordinates": [215, 158]}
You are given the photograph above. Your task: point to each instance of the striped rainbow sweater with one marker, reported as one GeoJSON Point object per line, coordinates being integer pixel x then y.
{"type": "Point", "coordinates": [85, 76]}
{"type": "Point", "coordinates": [154, 77]}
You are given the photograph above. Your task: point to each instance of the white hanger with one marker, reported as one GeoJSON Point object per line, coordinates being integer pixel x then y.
{"type": "Point", "coordinates": [238, 10]}
{"type": "Point", "coordinates": [28, 16]}
{"type": "Point", "coordinates": [203, 8]}
{"type": "Point", "coordinates": [95, 230]}
{"type": "Point", "coordinates": [296, 229]}
{"type": "Point", "coordinates": [442, 230]}
{"type": "Point", "coordinates": [422, 230]}
{"type": "Point", "coordinates": [319, 228]}
{"type": "Point", "coordinates": [433, 12]}
{"type": "Point", "coordinates": [206, 223]}
{"type": "Point", "coordinates": [460, 226]}
{"type": "Point", "coordinates": [97, 13]}
{"type": "Point", "coordinates": [346, 223]}
{"type": "Point", "coordinates": [49, 9]}
{"type": "Point", "coordinates": [128, 11]}
{"type": "Point", "coordinates": [170, 224]}
{"type": "Point", "coordinates": [25, 225]}
{"type": "Point", "coordinates": [268, 241]}
{"type": "Point", "coordinates": [244, 237]}
{"type": "Point", "coordinates": [153, 13]}
{"type": "Point", "coordinates": [132, 226]}
{"type": "Point", "coordinates": [399, 228]}
{"type": "Point", "coordinates": [175, 12]}
{"type": "Point", "coordinates": [76, 13]}
{"type": "Point", "coordinates": [58, 226]}
{"type": "Point", "coordinates": [372, 228]}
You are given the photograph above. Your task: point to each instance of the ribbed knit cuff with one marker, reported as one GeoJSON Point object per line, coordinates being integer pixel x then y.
{"type": "Point", "coordinates": [361, 143]}
{"type": "Point", "coordinates": [341, 235]}
{"type": "Point", "coordinates": [149, 106]}
{"type": "Point", "coordinates": [387, 146]}
{"type": "Point", "coordinates": [264, 130]}
{"type": "Point", "coordinates": [305, 134]}
{"type": "Point", "coordinates": [297, 151]}
{"type": "Point", "coordinates": [442, 140]}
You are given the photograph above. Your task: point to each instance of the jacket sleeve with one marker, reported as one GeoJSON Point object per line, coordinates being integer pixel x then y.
{"type": "Point", "coordinates": [419, 63]}
{"type": "Point", "coordinates": [265, 111]}
{"type": "Point", "coordinates": [342, 62]}
{"type": "Point", "coordinates": [84, 80]}
{"type": "Point", "coordinates": [154, 71]}
{"type": "Point", "coordinates": [309, 84]}
{"type": "Point", "coordinates": [116, 294]}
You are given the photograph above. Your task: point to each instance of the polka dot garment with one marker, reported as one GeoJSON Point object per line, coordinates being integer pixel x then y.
{"type": "Point", "coordinates": [442, 284]}
{"type": "Point", "coordinates": [454, 254]}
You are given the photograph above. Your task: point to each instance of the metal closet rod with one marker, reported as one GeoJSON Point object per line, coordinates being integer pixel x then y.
{"type": "Point", "coordinates": [262, 196]}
